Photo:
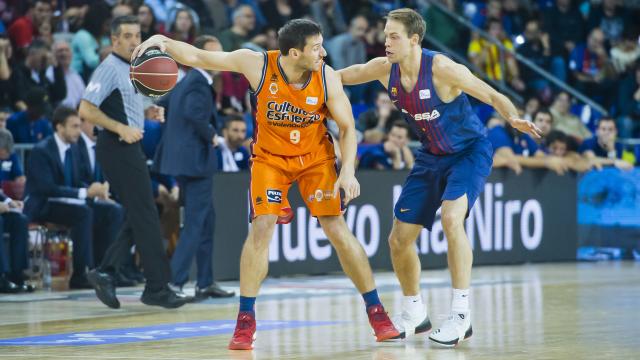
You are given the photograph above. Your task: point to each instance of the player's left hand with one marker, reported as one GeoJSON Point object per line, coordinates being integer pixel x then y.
{"type": "Point", "coordinates": [155, 112]}
{"type": "Point", "coordinates": [349, 184]}
{"type": "Point", "coordinates": [526, 127]}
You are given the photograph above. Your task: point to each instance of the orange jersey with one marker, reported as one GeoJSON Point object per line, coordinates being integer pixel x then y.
{"type": "Point", "coordinates": [289, 121]}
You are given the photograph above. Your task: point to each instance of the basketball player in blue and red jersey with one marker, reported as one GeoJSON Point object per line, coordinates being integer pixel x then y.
{"type": "Point", "coordinates": [293, 91]}
{"type": "Point", "coordinates": [450, 169]}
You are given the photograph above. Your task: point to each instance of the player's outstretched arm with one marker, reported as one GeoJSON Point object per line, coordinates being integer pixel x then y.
{"type": "Point", "coordinates": [461, 78]}
{"type": "Point", "coordinates": [242, 60]}
{"type": "Point", "coordinates": [375, 69]}
{"type": "Point", "coordinates": [340, 107]}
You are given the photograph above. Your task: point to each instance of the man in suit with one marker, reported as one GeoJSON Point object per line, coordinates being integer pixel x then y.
{"type": "Point", "coordinates": [187, 152]}
{"type": "Point", "coordinates": [56, 193]}
{"type": "Point", "coordinates": [13, 222]}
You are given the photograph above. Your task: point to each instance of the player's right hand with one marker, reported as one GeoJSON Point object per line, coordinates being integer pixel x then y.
{"type": "Point", "coordinates": [349, 184]}
{"type": "Point", "coordinates": [129, 134]}
{"type": "Point", "coordinates": [154, 41]}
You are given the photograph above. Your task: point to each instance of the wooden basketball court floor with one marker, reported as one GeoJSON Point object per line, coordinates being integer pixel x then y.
{"type": "Point", "coordinates": [547, 311]}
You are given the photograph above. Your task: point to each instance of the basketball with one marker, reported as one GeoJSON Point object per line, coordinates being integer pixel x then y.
{"type": "Point", "coordinates": [154, 73]}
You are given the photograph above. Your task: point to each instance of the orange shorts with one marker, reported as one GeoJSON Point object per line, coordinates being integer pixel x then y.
{"type": "Point", "coordinates": [272, 175]}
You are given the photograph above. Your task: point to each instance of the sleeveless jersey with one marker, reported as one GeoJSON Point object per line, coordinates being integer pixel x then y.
{"type": "Point", "coordinates": [289, 121]}
{"type": "Point", "coordinates": [443, 128]}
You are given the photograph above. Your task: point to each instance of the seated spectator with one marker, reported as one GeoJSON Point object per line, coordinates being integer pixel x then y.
{"type": "Point", "coordinates": [611, 17]}
{"type": "Point", "coordinates": [244, 22]}
{"type": "Point", "coordinates": [232, 155]}
{"type": "Point", "coordinates": [565, 121]}
{"type": "Point", "coordinates": [516, 150]}
{"type": "Point", "coordinates": [148, 22]}
{"type": "Point", "coordinates": [12, 221]}
{"type": "Point", "coordinates": [32, 74]}
{"type": "Point", "coordinates": [12, 177]}
{"type": "Point", "coordinates": [183, 27]}
{"type": "Point", "coordinates": [626, 53]}
{"type": "Point", "coordinates": [328, 13]}
{"type": "Point", "coordinates": [278, 12]}
{"type": "Point", "coordinates": [85, 44]}
{"type": "Point", "coordinates": [484, 54]}
{"type": "Point", "coordinates": [6, 88]}
{"type": "Point", "coordinates": [73, 80]}
{"type": "Point", "coordinates": [592, 70]}
{"type": "Point", "coordinates": [380, 117]}
{"type": "Point", "coordinates": [23, 31]}
{"type": "Point", "coordinates": [348, 49]}
{"type": "Point", "coordinates": [536, 48]}
{"type": "Point", "coordinates": [121, 10]}
{"type": "Point", "coordinates": [560, 145]}
{"type": "Point", "coordinates": [394, 153]}
{"type": "Point", "coordinates": [603, 149]}
{"type": "Point", "coordinates": [161, 8]}
{"type": "Point", "coordinates": [56, 193]}
{"type": "Point", "coordinates": [30, 126]}
{"type": "Point", "coordinates": [543, 119]}
{"type": "Point", "coordinates": [531, 106]}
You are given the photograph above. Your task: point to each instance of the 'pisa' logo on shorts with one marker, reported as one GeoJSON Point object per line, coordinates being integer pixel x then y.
{"type": "Point", "coordinates": [274, 196]}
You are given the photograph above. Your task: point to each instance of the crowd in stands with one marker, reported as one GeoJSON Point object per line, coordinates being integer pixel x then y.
{"type": "Point", "coordinates": [49, 48]}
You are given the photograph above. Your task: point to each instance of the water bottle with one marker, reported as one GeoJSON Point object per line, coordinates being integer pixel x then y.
{"type": "Point", "coordinates": [46, 274]}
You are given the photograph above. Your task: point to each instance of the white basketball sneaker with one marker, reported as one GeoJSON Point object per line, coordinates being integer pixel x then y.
{"type": "Point", "coordinates": [455, 330]}
{"type": "Point", "coordinates": [412, 323]}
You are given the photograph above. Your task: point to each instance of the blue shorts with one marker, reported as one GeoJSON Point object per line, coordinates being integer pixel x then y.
{"type": "Point", "coordinates": [444, 177]}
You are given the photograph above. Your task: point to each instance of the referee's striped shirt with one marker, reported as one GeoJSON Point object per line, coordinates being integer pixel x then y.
{"type": "Point", "coordinates": [111, 90]}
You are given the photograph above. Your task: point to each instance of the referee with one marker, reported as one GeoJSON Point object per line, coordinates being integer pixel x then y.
{"type": "Point", "coordinates": [111, 103]}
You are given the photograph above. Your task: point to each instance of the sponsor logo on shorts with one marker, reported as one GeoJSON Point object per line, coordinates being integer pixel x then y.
{"type": "Point", "coordinates": [319, 195]}
{"type": "Point", "coordinates": [274, 196]}
{"type": "Point", "coordinates": [403, 210]}
{"type": "Point", "coordinates": [328, 194]}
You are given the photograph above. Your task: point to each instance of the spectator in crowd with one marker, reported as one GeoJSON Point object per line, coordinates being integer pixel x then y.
{"type": "Point", "coordinates": [543, 119]}
{"type": "Point", "coordinates": [5, 113]}
{"type": "Point", "coordinates": [74, 83]}
{"type": "Point", "coordinates": [565, 121]}
{"type": "Point", "coordinates": [190, 111]}
{"type": "Point", "coordinates": [161, 8]}
{"type": "Point", "coordinates": [493, 10]}
{"type": "Point", "coordinates": [148, 22]}
{"type": "Point", "coordinates": [183, 27]}
{"type": "Point", "coordinates": [515, 14]}
{"type": "Point", "coordinates": [85, 44]}
{"type": "Point", "coordinates": [278, 12]}
{"type": "Point", "coordinates": [531, 106]}
{"type": "Point", "coordinates": [232, 154]}
{"type": "Point", "coordinates": [591, 69]}
{"type": "Point", "coordinates": [626, 53]}
{"type": "Point", "coordinates": [394, 153]}
{"type": "Point", "coordinates": [375, 38]}
{"type": "Point", "coordinates": [629, 105]}
{"type": "Point", "coordinates": [57, 194]}
{"type": "Point", "coordinates": [33, 75]}
{"type": "Point", "coordinates": [328, 13]}
{"type": "Point", "coordinates": [485, 55]}
{"type": "Point", "coordinates": [30, 125]}
{"type": "Point", "coordinates": [610, 17]}
{"type": "Point", "coordinates": [560, 145]}
{"type": "Point", "coordinates": [349, 48]}
{"type": "Point", "coordinates": [378, 119]}
{"type": "Point", "coordinates": [566, 28]}
{"type": "Point", "coordinates": [24, 30]}
{"type": "Point", "coordinates": [12, 179]}
{"type": "Point", "coordinates": [6, 88]}
{"type": "Point", "coordinates": [537, 49]}
{"type": "Point", "coordinates": [244, 22]}
{"type": "Point", "coordinates": [13, 222]}
{"type": "Point", "coordinates": [516, 150]}
{"type": "Point", "coordinates": [603, 149]}
{"type": "Point", "coordinates": [45, 33]}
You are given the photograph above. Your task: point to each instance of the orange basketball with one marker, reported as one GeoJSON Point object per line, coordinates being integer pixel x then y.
{"type": "Point", "coordinates": [154, 73]}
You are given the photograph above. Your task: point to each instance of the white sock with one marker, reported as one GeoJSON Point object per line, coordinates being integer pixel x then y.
{"type": "Point", "coordinates": [460, 301]}
{"type": "Point", "coordinates": [413, 304]}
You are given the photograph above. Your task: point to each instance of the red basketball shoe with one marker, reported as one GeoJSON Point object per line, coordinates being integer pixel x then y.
{"type": "Point", "coordinates": [381, 324]}
{"type": "Point", "coordinates": [245, 333]}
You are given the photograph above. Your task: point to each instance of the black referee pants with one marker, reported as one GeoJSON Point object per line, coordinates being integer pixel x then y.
{"type": "Point", "coordinates": [125, 168]}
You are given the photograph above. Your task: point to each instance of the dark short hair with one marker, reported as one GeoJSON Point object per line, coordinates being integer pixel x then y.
{"type": "Point", "coordinates": [556, 135]}
{"type": "Point", "coordinates": [123, 20]}
{"type": "Point", "coordinates": [607, 118]}
{"type": "Point", "coordinates": [61, 114]}
{"type": "Point", "coordinates": [95, 18]}
{"type": "Point", "coordinates": [542, 110]}
{"type": "Point", "coordinates": [400, 124]}
{"type": "Point", "coordinates": [233, 118]}
{"type": "Point", "coordinates": [294, 34]}
{"type": "Point", "coordinates": [203, 40]}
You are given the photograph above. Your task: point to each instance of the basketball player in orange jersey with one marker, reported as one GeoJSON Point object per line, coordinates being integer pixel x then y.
{"type": "Point", "coordinates": [450, 168]}
{"type": "Point", "coordinates": [293, 90]}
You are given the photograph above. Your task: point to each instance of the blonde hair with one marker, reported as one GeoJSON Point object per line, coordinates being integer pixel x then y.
{"type": "Point", "coordinates": [412, 21]}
